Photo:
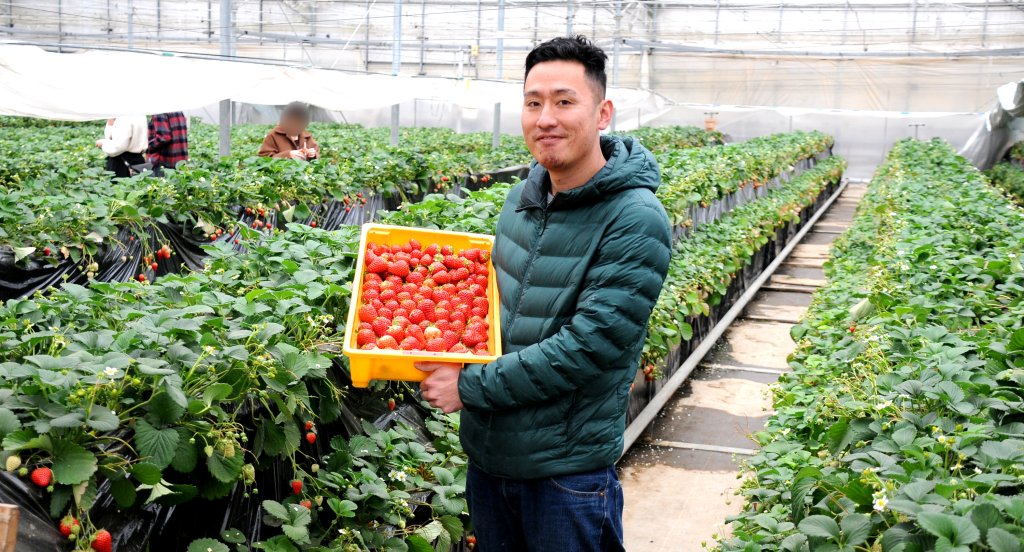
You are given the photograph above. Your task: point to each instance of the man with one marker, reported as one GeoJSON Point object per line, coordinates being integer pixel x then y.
{"type": "Point", "coordinates": [168, 140]}
{"type": "Point", "coordinates": [290, 139]}
{"type": "Point", "coordinates": [581, 253]}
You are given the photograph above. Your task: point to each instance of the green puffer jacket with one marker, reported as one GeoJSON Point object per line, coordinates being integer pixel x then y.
{"type": "Point", "coordinates": [578, 278]}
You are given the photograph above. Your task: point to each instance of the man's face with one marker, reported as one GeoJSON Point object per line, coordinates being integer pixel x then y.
{"type": "Point", "coordinates": [562, 114]}
{"type": "Point", "coordinates": [292, 126]}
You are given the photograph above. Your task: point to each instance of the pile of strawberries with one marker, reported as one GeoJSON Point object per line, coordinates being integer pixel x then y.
{"type": "Point", "coordinates": [431, 298]}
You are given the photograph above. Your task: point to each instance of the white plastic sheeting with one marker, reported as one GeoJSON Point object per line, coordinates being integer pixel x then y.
{"type": "Point", "coordinates": [1002, 127]}
{"type": "Point", "coordinates": [92, 85]}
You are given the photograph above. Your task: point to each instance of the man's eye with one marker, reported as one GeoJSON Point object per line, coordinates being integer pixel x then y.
{"type": "Point", "coordinates": [564, 102]}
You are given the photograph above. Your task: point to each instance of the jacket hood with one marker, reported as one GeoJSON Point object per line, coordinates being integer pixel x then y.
{"type": "Point", "coordinates": [630, 165]}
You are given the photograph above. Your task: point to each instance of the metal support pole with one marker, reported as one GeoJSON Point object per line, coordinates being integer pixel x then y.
{"type": "Point", "coordinates": [131, 18]}
{"type": "Point", "coordinates": [913, 25]}
{"type": "Point", "coordinates": [60, 24]}
{"type": "Point", "coordinates": [779, 30]}
{"type": "Point", "coordinates": [499, 72]}
{"type": "Point", "coordinates": [396, 65]}
{"type": "Point", "coordinates": [984, 25]}
{"type": "Point", "coordinates": [536, 22]}
{"type": "Point", "coordinates": [226, 50]}
{"type": "Point", "coordinates": [916, 127]}
{"type": "Point", "coordinates": [366, 25]}
{"type": "Point", "coordinates": [479, 26]}
{"type": "Point", "coordinates": [423, 33]}
{"type": "Point", "coordinates": [261, 22]}
{"type": "Point", "coordinates": [158, 20]}
{"type": "Point", "coordinates": [209, 20]}
{"type": "Point", "coordinates": [570, 14]}
{"type": "Point", "coordinates": [718, 11]}
{"type": "Point", "coordinates": [615, 50]}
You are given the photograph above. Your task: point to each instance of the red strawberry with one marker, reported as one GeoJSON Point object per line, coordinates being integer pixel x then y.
{"type": "Point", "coordinates": [477, 311]}
{"type": "Point", "coordinates": [154, 266]}
{"type": "Point", "coordinates": [458, 326]}
{"type": "Point", "coordinates": [365, 336]}
{"type": "Point", "coordinates": [441, 277]}
{"type": "Point", "coordinates": [436, 345]}
{"type": "Point", "coordinates": [313, 224]}
{"type": "Point", "coordinates": [415, 244]}
{"type": "Point", "coordinates": [485, 256]}
{"type": "Point", "coordinates": [46, 251]}
{"type": "Point", "coordinates": [426, 305]}
{"type": "Point", "coordinates": [381, 325]}
{"type": "Point", "coordinates": [480, 303]}
{"type": "Point", "coordinates": [102, 541]}
{"type": "Point", "coordinates": [415, 278]}
{"type": "Point", "coordinates": [399, 268]}
{"type": "Point", "coordinates": [311, 437]}
{"type": "Point", "coordinates": [471, 254]}
{"type": "Point", "coordinates": [471, 540]}
{"type": "Point", "coordinates": [450, 338]}
{"type": "Point", "coordinates": [471, 338]}
{"type": "Point", "coordinates": [466, 296]}
{"type": "Point", "coordinates": [367, 313]}
{"type": "Point", "coordinates": [369, 347]}
{"type": "Point", "coordinates": [307, 503]}
{"type": "Point", "coordinates": [433, 332]}
{"type": "Point", "coordinates": [387, 294]}
{"type": "Point", "coordinates": [481, 269]}
{"type": "Point", "coordinates": [481, 347]}
{"type": "Point", "coordinates": [443, 324]}
{"type": "Point", "coordinates": [395, 331]}
{"type": "Point", "coordinates": [457, 316]}
{"type": "Point", "coordinates": [296, 486]}
{"type": "Point", "coordinates": [481, 280]}
{"type": "Point", "coordinates": [67, 524]}
{"type": "Point", "coordinates": [446, 250]}
{"type": "Point", "coordinates": [387, 342]}
{"type": "Point", "coordinates": [439, 295]}
{"type": "Point", "coordinates": [452, 262]}
{"type": "Point", "coordinates": [376, 265]}
{"type": "Point", "coordinates": [459, 348]}
{"type": "Point", "coordinates": [460, 274]}
{"type": "Point", "coordinates": [142, 277]}
{"type": "Point", "coordinates": [415, 332]}
{"type": "Point", "coordinates": [425, 259]}
{"type": "Point", "coordinates": [42, 477]}
{"type": "Point", "coordinates": [416, 316]}
{"type": "Point", "coordinates": [384, 312]}
{"type": "Point", "coordinates": [441, 314]}
{"type": "Point", "coordinates": [391, 404]}
{"type": "Point", "coordinates": [410, 344]}
{"type": "Point", "coordinates": [309, 425]}
{"type": "Point", "coordinates": [431, 249]}
{"type": "Point", "coordinates": [436, 267]}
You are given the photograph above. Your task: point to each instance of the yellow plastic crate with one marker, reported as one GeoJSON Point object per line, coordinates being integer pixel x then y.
{"type": "Point", "coordinates": [400, 365]}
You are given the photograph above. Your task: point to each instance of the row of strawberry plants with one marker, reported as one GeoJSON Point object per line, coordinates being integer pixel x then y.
{"type": "Point", "coordinates": [899, 428]}
{"type": "Point", "coordinates": [1008, 177]}
{"type": "Point", "coordinates": [669, 138]}
{"type": "Point", "coordinates": [704, 265]}
{"type": "Point", "coordinates": [1016, 152]}
{"type": "Point", "coordinates": [704, 175]}
{"type": "Point", "coordinates": [211, 384]}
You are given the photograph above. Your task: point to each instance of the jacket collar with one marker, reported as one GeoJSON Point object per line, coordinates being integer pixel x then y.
{"type": "Point", "coordinates": [538, 185]}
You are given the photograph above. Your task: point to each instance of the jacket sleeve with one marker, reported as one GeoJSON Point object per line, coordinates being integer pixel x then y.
{"type": "Point", "coordinates": [269, 148]}
{"type": "Point", "coordinates": [120, 137]}
{"type": "Point", "coordinates": [159, 132]}
{"type": "Point", "coordinates": [617, 297]}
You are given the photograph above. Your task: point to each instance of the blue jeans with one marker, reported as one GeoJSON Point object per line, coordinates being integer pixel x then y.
{"type": "Point", "coordinates": [569, 513]}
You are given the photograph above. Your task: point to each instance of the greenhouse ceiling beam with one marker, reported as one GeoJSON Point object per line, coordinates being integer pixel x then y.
{"type": "Point", "coordinates": [642, 44]}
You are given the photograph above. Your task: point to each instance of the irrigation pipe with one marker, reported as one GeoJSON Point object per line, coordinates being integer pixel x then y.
{"type": "Point", "coordinates": [638, 425]}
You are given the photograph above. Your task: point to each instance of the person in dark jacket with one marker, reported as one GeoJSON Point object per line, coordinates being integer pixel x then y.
{"type": "Point", "coordinates": [581, 253]}
{"type": "Point", "coordinates": [290, 139]}
{"type": "Point", "coordinates": [168, 139]}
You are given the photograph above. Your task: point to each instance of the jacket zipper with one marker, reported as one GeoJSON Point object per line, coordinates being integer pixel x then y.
{"type": "Point", "coordinates": [529, 269]}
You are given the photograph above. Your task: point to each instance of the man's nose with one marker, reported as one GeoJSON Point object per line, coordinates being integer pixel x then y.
{"type": "Point", "coordinates": [546, 119]}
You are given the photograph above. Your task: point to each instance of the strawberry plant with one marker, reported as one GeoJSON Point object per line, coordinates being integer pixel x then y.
{"type": "Point", "coordinates": [1008, 177]}
{"type": "Point", "coordinates": [670, 138]}
{"type": "Point", "coordinates": [899, 427]}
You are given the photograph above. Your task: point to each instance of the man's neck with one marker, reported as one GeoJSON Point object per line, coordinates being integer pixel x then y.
{"type": "Point", "coordinates": [578, 174]}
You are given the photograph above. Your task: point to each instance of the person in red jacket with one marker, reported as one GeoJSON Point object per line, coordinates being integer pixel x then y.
{"type": "Point", "coordinates": [290, 139]}
{"type": "Point", "coordinates": [168, 139]}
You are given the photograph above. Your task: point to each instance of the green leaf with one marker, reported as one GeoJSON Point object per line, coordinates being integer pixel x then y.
{"type": "Point", "coordinates": [1001, 540]}
{"type": "Point", "coordinates": [8, 422]}
{"type": "Point", "coordinates": [216, 392]}
{"type": "Point", "coordinates": [856, 528]}
{"type": "Point", "coordinates": [233, 536]}
{"type": "Point", "coordinates": [454, 527]}
{"type": "Point", "coordinates": [224, 469]}
{"type": "Point", "coordinates": [342, 508]}
{"type": "Point", "coordinates": [820, 526]}
{"type": "Point", "coordinates": [431, 531]}
{"type": "Point", "coordinates": [186, 456]}
{"type": "Point", "coordinates": [417, 543]}
{"type": "Point", "coordinates": [276, 510]}
{"type": "Point", "coordinates": [123, 491]}
{"type": "Point", "coordinates": [1017, 341]}
{"type": "Point", "coordinates": [146, 473]}
{"type": "Point", "coordinates": [155, 445]}
{"type": "Point", "coordinates": [958, 530]}
{"type": "Point", "coordinates": [59, 501]}
{"type": "Point", "coordinates": [207, 545]}
{"type": "Point", "coordinates": [102, 418]}
{"type": "Point", "coordinates": [839, 436]}
{"type": "Point", "coordinates": [164, 410]}
{"type": "Point", "coordinates": [22, 252]}
{"type": "Point", "coordinates": [72, 464]}
{"type": "Point", "coordinates": [298, 534]}
{"type": "Point", "coordinates": [443, 475]}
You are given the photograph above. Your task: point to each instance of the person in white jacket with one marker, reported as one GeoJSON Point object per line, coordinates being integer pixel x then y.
{"type": "Point", "coordinates": [124, 141]}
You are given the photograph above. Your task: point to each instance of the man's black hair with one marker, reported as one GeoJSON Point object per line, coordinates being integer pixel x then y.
{"type": "Point", "coordinates": [575, 48]}
{"type": "Point", "coordinates": [296, 110]}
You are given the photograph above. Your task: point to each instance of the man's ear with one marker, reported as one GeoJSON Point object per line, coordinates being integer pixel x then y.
{"type": "Point", "coordinates": [605, 112]}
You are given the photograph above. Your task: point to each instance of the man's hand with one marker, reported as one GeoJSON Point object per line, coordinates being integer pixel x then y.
{"type": "Point", "coordinates": [311, 153]}
{"type": "Point", "coordinates": [297, 154]}
{"type": "Point", "coordinates": [441, 388]}
{"type": "Point", "coordinates": [99, 143]}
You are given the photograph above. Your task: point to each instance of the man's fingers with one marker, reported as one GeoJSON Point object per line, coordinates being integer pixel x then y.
{"type": "Point", "coordinates": [426, 366]}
